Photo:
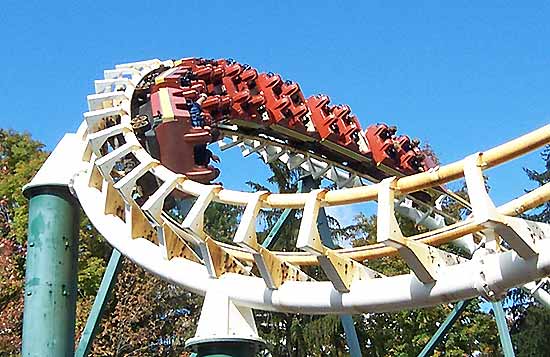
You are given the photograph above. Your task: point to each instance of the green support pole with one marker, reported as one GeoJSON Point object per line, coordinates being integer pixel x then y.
{"type": "Point", "coordinates": [444, 328]}
{"type": "Point", "coordinates": [271, 238]}
{"type": "Point", "coordinates": [51, 267]}
{"type": "Point", "coordinates": [100, 302]}
{"type": "Point", "coordinates": [273, 235]}
{"type": "Point", "coordinates": [351, 335]}
{"type": "Point", "coordinates": [503, 333]}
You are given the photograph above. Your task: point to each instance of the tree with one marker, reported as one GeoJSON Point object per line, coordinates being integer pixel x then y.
{"type": "Point", "coordinates": [529, 320]}
{"type": "Point", "coordinates": [146, 317]}
{"type": "Point", "coordinates": [20, 158]}
{"type": "Point", "coordinates": [541, 178]}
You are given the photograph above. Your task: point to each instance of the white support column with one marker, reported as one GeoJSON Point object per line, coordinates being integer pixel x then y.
{"type": "Point", "coordinates": [127, 184]}
{"type": "Point", "coordinates": [106, 100]}
{"type": "Point", "coordinates": [225, 325]}
{"type": "Point", "coordinates": [99, 138]}
{"type": "Point", "coordinates": [95, 118]}
{"type": "Point", "coordinates": [153, 206]}
{"type": "Point", "coordinates": [215, 257]}
{"type": "Point", "coordinates": [193, 224]}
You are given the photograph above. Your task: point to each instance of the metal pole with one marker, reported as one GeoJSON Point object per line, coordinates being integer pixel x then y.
{"type": "Point", "coordinates": [503, 333]}
{"type": "Point", "coordinates": [351, 335]}
{"type": "Point", "coordinates": [444, 328]}
{"type": "Point", "coordinates": [273, 235]}
{"type": "Point", "coordinates": [100, 302]}
{"type": "Point", "coordinates": [271, 238]}
{"type": "Point", "coordinates": [51, 267]}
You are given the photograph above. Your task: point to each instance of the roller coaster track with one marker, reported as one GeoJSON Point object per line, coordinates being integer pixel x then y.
{"type": "Point", "coordinates": [126, 192]}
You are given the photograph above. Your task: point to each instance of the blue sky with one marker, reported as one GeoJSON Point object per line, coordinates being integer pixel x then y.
{"type": "Point", "coordinates": [463, 76]}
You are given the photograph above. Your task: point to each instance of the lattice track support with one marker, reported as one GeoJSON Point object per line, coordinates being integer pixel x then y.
{"type": "Point", "coordinates": [273, 270]}
{"type": "Point", "coordinates": [225, 329]}
{"type": "Point", "coordinates": [94, 318]}
{"type": "Point", "coordinates": [341, 271]}
{"type": "Point", "coordinates": [520, 234]}
{"type": "Point", "coordinates": [217, 260]}
{"type": "Point", "coordinates": [423, 259]}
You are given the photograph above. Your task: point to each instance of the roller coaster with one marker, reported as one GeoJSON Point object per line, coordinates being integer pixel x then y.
{"type": "Point", "coordinates": [140, 167]}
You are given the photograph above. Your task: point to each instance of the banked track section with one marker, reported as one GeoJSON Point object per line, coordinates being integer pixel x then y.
{"type": "Point", "coordinates": [181, 252]}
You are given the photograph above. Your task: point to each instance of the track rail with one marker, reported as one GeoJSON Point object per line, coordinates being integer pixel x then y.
{"type": "Point", "coordinates": [326, 140]}
{"type": "Point", "coordinates": [110, 187]}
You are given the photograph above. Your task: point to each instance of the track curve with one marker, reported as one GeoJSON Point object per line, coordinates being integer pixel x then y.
{"type": "Point", "coordinates": [115, 166]}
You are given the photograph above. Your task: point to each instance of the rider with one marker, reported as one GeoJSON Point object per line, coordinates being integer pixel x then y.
{"type": "Point", "coordinates": [201, 153]}
{"type": "Point", "coordinates": [197, 120]}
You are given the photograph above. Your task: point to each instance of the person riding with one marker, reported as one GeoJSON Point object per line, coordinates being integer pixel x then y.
{"type": "Point", "coordinates": [202, 154]}
{"type": "Point", "coordinates": [195, 109]}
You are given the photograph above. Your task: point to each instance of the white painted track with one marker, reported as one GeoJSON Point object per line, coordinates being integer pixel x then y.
{"type": "Point", "coordinates": [489, 274]}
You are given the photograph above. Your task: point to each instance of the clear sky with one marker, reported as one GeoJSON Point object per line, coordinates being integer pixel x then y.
{"type": "Point", "coordinates": [463, 76]}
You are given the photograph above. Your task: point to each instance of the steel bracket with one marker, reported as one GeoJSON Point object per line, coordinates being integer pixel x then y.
{"type": "Point", "coordinates": [341, 271]}
{"type": "Point", "coordinates": [520, 234]}
{"type": "Point", "coordinates": [423, 259]}
{"type": "Point", "coordinates": [272, 269]}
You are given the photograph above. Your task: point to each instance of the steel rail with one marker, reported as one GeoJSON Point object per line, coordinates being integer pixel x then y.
{"type": "Point", "coordinates": [404, 185]}
{"type": "Point", "coordinates": [490, 275]}
{"type": "Point", "coordinates": [494, 273]}
{"type": "Point", "coordinates": [435, 237]}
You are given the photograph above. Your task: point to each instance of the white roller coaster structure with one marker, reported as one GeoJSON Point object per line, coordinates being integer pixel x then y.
{"type": "Point", "coordinates": [183, 254]}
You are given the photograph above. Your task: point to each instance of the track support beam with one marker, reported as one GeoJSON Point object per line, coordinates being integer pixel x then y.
{"type": "Point", "coordinates": [309, 183]}
{"type": "Point", "coordinates": [444, 328]}
{"type": "Point", "coordinates": [101, 299]}
{"type": "Point", "coordinates": [503, 333]}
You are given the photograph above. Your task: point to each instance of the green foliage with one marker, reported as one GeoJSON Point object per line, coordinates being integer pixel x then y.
{"type": "Point", "coordinates": [20, 159]}
{"type": "Point", "coordinates": [531, 335]}
{"type": "Point", "coordinates": [529, 320]}
{"type": "Point", "coordinates": [541, 178]}
{"type": "Point", "coordinates": [405, 333]}
{"type": "Point", "coordinates": [146, 316]}
{"type": "Point", "coordinates": [220, 221]}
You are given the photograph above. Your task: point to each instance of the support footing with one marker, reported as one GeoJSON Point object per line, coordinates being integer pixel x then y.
{"type": "Point", "coordinates": [224, 347]}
